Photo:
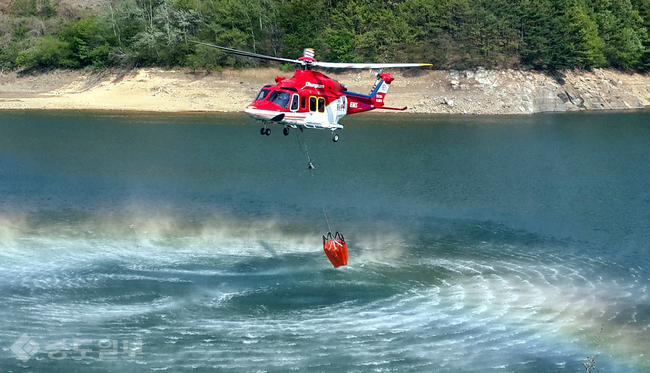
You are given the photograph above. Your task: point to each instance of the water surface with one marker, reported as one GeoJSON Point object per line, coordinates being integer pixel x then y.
{"type": "Point", "coordinates": [477, 244]}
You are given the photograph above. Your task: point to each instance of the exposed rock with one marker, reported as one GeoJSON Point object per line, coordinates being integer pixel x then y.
{"type": "Point", "coordinates": [477, 91]}
{"type": "Point", "coordinates": [515, 92]}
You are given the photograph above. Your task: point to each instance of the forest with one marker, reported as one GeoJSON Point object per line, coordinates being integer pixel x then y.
{"type": "Point", "coordinates": [451, 34]}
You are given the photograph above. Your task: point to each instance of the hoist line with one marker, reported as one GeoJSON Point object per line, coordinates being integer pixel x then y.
{"type": "Point", "coordinates": [311, 171]}
{"type": "Point", "coordinates": [327, 221]}
{"type": "Point", "coordinates": [306, 151]}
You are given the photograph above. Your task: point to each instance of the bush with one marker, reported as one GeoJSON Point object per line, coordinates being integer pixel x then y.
{"type": "Point", "coordinates": [48, 51]}
{"type": "Point", "coordinates": [8, 55]}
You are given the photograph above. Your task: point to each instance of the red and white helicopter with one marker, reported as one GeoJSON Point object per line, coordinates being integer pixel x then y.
{"type": "Point", "coordinates": [309, 99]}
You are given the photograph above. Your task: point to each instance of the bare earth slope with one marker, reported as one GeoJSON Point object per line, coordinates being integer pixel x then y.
{"type": "Point", "coordinates": [431, 91]}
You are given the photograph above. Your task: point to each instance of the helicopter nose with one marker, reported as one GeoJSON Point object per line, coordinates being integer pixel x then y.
{"type": "Point", "coordinates": [254, 112]}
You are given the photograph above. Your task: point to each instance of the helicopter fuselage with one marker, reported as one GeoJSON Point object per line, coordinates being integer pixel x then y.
{"type": "Point", "coordinates": [310, 99]}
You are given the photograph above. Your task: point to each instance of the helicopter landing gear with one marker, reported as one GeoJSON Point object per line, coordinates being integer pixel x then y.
{"type": "Point", "coordinates": [336, 137]}
{"type": "Point", "coordinates": [265, 131]}
{"type": "Point", "coordinates": [285, 131]}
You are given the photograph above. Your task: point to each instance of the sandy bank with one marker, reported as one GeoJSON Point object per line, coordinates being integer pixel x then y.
{"type": "Point", "coordinates": [431, 91]}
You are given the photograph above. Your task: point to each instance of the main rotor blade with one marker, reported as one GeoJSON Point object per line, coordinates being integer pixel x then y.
{"type": "Point", "coordinates": [248, 54]}
{"type": "Point", "coordinates": [342, 65]}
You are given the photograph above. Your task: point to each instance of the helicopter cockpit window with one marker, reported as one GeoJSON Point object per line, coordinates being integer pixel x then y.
{"type": "Point", "coordinates": [262, 94]}
{"type": "Point", "coordinates": [280, 98]}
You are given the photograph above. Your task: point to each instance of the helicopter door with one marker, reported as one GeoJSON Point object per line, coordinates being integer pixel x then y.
{"type": "Point", "coordinates": [295, 102]}
{"type": "Point", "coordinates": [317, 116]}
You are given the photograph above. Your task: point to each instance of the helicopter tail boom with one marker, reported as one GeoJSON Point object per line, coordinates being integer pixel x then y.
{"type": "Point", "coordinates": [359, 103]}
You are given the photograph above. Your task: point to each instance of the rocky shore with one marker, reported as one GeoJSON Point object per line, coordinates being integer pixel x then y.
{"type": "Point", "coordinates": [527, 92]}
{"type": "Point", "coordinates": [424, 91]}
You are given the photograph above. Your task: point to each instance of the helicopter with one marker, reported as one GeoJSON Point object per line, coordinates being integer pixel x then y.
{"type": "Point", "coordinates": [310, 99]}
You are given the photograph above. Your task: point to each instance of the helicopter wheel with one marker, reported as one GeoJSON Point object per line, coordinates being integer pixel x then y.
{"type": "Point", "coordinates": [263, 131]}
{"type": "Point", "coordinates": [335, 138]}
{"type": "Point", "coordinates": [267, 132]}
{"type": "Point", "coordinates": [285, 131]}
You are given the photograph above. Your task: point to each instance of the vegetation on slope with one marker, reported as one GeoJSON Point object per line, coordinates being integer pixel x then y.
{"type": "Point", "coordinates": [540, 34]}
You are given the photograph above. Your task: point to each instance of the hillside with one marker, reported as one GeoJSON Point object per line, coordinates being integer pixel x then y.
{"type": "Point", "coordinates": [449, 91]}
{"type": "Point", "coordinates": [93, 6]}
{"type": "Point", "coordinates": [544, 35]}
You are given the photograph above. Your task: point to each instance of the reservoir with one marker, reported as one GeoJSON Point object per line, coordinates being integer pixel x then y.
{"type": "Point", "coordinates": [190, 243]}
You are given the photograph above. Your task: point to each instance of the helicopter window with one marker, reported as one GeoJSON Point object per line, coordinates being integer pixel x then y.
{"type": "Point", "coordinates": [280, 98]}
{"type": "Point", "coordinates": [321, 105]}
{"type": "Point", "coordinates": [312, 103]}
{"type": "Point", "coordinates": [294, 102]}
{"type": "Point", "coordinates": [262, 94]}
{"type": "Point", "coordinates": [303, 102]}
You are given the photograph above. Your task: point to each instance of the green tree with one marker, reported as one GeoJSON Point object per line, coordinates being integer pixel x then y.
{"type": "Point", "coordinates": [428, 27]}
{"type": "Point", "coordinates": [303, 23]}
{"type": "Point", "coordinates": [340, 44]}
{"type": "Point", "coordinates": [153, 31]}
{"type": "Point", "coordinates": [643, 7]}
{"type": "Point", "coordinates": [622, 28]}
{"type": "Point", "coordinates": [584, 42]}
{"type": "Point", "coordinates": [247, 24]}
{"type": "Point", "coordinates": [86, 41]}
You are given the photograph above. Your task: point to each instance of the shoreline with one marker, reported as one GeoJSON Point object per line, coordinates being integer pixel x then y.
{"type": "Point", "coordinates": [482, 92]}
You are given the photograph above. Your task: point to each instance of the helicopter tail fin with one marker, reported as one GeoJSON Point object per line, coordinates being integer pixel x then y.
{"type": "Point", "coordinates": [381, 89]}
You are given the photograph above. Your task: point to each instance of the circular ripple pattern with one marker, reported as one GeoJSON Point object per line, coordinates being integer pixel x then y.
{"type": "Point", "coordinates": [219, 303]}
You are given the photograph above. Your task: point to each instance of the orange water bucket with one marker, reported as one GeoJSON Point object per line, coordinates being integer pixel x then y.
{"type": "Point", "coordinates": [336, 249]}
